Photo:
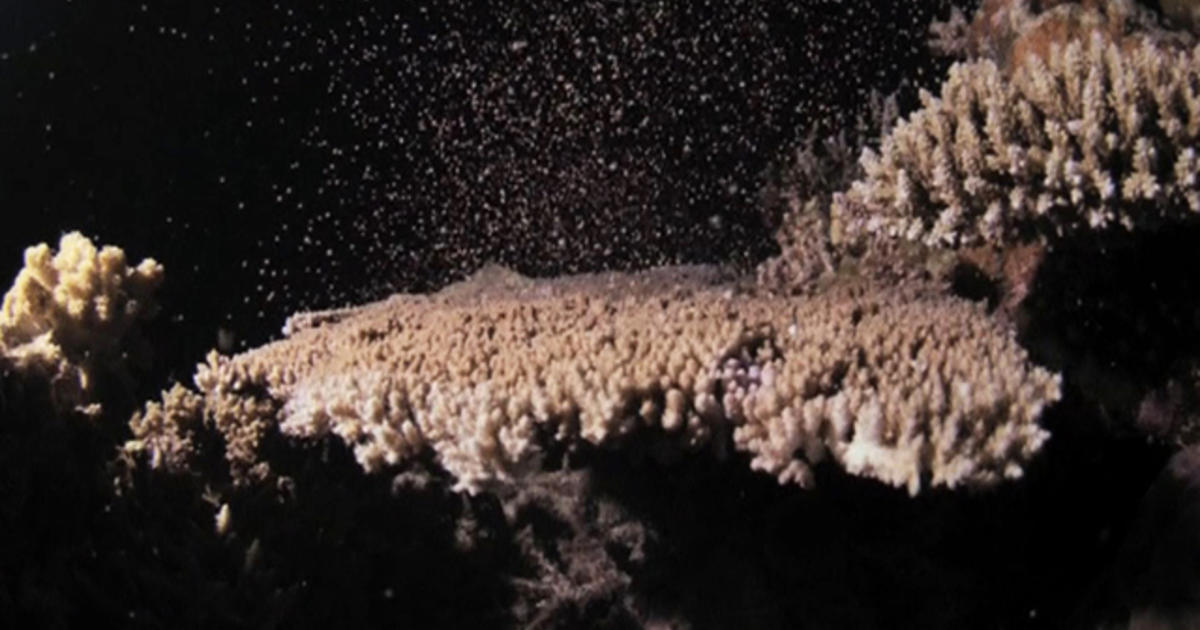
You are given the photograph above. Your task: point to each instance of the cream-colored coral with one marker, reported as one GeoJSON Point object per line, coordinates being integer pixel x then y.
{"type": "Point", "coordinates": [806, 253]}
{"type": "Point", "coordinates": [1098, 136]}
{"type": "Point", "coordinates": [165, 432]}
{"type": "Point", "coordinates": [71, 313]}
{"type": "Point", "coordinates": [898, 384]}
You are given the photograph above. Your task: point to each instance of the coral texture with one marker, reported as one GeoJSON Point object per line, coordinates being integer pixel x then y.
{"type": "Point", "coordinates": [896, 384]}
{"type": "Point", "coordinates": [72, 314]}
{"type": "Point", "coordinates": [1097, 136]}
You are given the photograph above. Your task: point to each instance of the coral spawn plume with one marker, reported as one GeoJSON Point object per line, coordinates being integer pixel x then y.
{"type": "Point", "coordinates": [942, 403]}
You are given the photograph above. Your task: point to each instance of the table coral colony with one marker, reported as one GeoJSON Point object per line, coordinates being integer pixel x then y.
{"type": "Point", "coordinates": [895, 383]}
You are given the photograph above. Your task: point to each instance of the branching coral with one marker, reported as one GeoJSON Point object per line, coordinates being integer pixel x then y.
{"type": "Point", "coordinates": [897, 384]}
{"type": "Point", "coordinates": [166, 431]}
{"type": "Point", "coordinates": [807, 254]}
{"type": "Point", "coordinates": [797, 195]}
{"type": "Point", "coordinates": [72, 314]}
{"type": "Point", "coordinates": [1096, 136]}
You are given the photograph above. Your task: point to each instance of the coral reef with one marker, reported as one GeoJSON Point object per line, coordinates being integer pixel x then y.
{"type": "Point", "coordinates": [585, 451]}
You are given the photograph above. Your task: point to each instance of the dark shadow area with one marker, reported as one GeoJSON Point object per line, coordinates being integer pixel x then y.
{"type": "Point", "coordinates": [728, 547]}
{"type": "Point", "coordinates": [970, 282]}
{"type": "Point", "coordinates": [1118, 313]}
{"type": "Point", "coordinates": [92, 539]}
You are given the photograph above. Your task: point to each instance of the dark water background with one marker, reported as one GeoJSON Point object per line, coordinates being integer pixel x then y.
{"type": "Point", "coordinates": [303, 155]}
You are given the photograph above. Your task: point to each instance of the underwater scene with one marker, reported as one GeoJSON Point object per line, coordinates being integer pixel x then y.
{"type": "Point", "coordinates": [661, 314]}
